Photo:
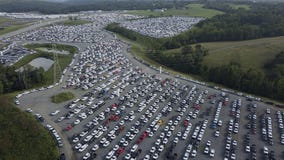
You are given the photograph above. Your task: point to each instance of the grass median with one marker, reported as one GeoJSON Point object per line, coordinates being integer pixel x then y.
{"type": "Point", "coordinates": [74, 22]}
{"type": "Point", "coordinates": [62, 97]}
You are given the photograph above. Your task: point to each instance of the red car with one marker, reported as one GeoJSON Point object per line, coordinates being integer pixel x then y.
{"type": "Point", "coordinates": [120, 151]}
{"type": "Point", "coordinates": [68, 128]}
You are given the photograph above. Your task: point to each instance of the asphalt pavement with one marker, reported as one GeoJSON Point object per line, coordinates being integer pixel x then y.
{"type": "Point", "coordinates": [40, 102]}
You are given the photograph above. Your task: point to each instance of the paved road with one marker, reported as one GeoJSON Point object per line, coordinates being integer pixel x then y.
{"type": "Point", "coordinates": [31, 27]}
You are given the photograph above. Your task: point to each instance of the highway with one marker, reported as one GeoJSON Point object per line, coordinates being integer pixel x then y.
{"type": "Point", "coordinates": [31, 27]}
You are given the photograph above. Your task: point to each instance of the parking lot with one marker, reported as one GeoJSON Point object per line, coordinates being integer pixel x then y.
{"type": "Point", "coordinates": [12, 53]}
{"type": "Point", "coordinates": [125, 110]}
{"type": "Point", "coordinates": [161, 27]}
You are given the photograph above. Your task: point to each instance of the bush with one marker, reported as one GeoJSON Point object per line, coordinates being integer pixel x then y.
{"type": "Point", "coordinates": [62, 97]}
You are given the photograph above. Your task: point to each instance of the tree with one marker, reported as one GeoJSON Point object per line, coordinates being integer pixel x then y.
{"type": "Point", "coordinates": [280, 88]}
{"type": "Point", "coordinates": [1, 88]}
{"type": "Point", "coordinates": [186, 50]}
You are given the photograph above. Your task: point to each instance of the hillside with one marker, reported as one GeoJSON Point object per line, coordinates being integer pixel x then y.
{"type": "Point", "coordinates": [251, 54]}
{"type": "Point", "coordinates": [21, 136]}
{"type": "Point", "coordinates": [50, 7]}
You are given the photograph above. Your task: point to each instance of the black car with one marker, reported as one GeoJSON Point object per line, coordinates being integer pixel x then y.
{"type": "Point", "coordinates": [62, 156]}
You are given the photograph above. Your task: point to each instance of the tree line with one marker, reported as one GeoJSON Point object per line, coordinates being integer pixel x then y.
{"type": "Point", "coordinates": [189, 60]}
{"type": "Point", "coordinates": [60, 8]}
{"type": "Point", "coordinates": [11, 80]}
{"type": "Point", "coordinates": [269, 83]}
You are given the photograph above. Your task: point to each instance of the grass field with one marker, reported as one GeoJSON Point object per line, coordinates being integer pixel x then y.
{"type": "Point", "coordinates": [194, 10]}
{"type": "Point", "coordinates": [239, 6]}
{"type": "Point", "coordinates": [62, 97]}
{"type": "Point", "coordinates": [9, 25]}
{"type": "Point", "coordinates": [74, 22]}
{"type": "Point", "coordinates": [250, 54]}
{"type": "Point", "coordinates": [21, 136]}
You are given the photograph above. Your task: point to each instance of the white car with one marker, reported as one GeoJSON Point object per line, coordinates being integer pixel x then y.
{"type": "Point", "coordinates": [161, 148]}
{"type": "Point", "coordinates": [106, 144]}
{"type": "Point", "coordinates": [193, 153]}
{"type": "Point", "coordinates": [134, 148]}
{"type": "Point", "coordinates": [96, 147]}
{"type": "Point", "coordinates": [83, 147]}
{"type": "Point", "coordinates": [217, 133]}
{"type": "Point", "coordinates": [212, 152]}
{"type": "Point", "coordinates": [247, 149]}
{"type": "Point", "coordinates": [152, 150]}
{"type": "Point", "coordinates": [88, 138]}
{"type": "Point", "coordinates": [110, 154]}
{"type": "Point", "coordinates": [206, 150]}
{"type": "Point", "coordinates": [29, 110]}
{"type": "Point", "coordinates": [176, 140]}
{"type": "Point", "coordinates": [77, 121]}
{"type": "Point", "coordinates": [127, 156]}
{"type": "Point", "coordinates": [79, 145]}
{"type": "Point", "coordinates": [60, 119]}
{"type": "Point", "coordinates": [82, 134]}
{"type": "Point", "coordinates": [55, 112]}
{"type": "Point", "coordinates": [156, 156]}
{"type": "Point", "coordinates": [75, 140]}
{"type": "Point", "coordinates": [86, 156]}
{"type": "Point", "coordinates": [186, 156]}
{"type": "Point", "coordinates": [265, 150]}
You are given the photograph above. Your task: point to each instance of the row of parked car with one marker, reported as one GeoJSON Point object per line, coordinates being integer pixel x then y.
{"type": "Point", "coordinates": [280, 119]}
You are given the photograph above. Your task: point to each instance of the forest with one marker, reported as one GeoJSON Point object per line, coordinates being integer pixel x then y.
{"type": "Point", "coordinates": [14, 81]}
{"type": "Point", "coordinates": [188, 61]}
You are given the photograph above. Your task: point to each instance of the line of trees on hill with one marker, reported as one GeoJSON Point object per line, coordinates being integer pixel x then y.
{"type": "Point", "coordinates": [59, 8]}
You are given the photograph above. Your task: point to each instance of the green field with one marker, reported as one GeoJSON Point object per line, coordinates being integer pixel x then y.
{"type": "Point", "coordinates": [194, 10]}
{"type": "Point", "coordinates": [21, 136]}
{"type": "Point", "coordinates": [239, 6]}
{"type": "Point", "coordinates": [250, 54]}
{"type": "Point", "coordinates": [62, 97]}
{"type": "Point", "coordinates": [74, 22]}
{"type": "Point", "coordinates": [9, 25]}
{"type": "Point", "coordinates": [64, 60]}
